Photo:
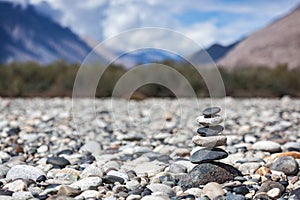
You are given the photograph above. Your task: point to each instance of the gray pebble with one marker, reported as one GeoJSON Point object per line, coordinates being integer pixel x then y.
{"type": "Point", "coordinates": [24, 172]}
{"type": "Point", "coordinates": [286, 164]}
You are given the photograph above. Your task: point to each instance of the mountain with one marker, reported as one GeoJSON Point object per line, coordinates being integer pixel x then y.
{"type": "Point", "coordinates": [45, 9]}
{"type": "Point", "coordinates": [105, 53]}
{"type": "Point", "coordinates": [277, 43]}
{"type": "Point", "coordinates": [148, 55]}
{"type": "Point", "coordinates": [216, 52]}
{"type": "Point", "coordinates": [26, 35]}
{"type": "Point", "coordinates": [131, 59]}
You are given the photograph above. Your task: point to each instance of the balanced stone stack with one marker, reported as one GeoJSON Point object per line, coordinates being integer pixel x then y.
{"type": "Point", "coordinates": [209, 137]}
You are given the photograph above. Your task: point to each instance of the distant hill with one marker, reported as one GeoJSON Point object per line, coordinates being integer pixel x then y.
{"type": "Point", "coordinates": [25, 35]}
{"type": "Point", "coordinates": [147, 55]}
{"type": "Point", "coordinates": [131, 59]}
{"type": "Point", "coordinates": [277, 43]}
{"type": "Point", "coordinates": [216, 52]}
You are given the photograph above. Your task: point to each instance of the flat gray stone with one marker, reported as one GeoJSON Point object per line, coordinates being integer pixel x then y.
{"type": "Point", "coordinates": [211, 111]}
{"type": "Point", "coordinates": [87, 183]}
{"type": "Point", "coordinates": [212, 141]}
{"type": "Point", "coordinates": [205, 121]}
{"type": "Point", "coordinates": [89, 194]}
{"type": "Point", "coordinates": [92, 147]}
{"type": "Point", "coordinates": [157, 187]}
{"type": "Point", "coordinates": [249, 167]}
{"type": "Point", "coordinates": [22, 195]}
{"type": "Point", "coordinates": [208, 155]}
{"type": "Point", "coordinates": [16, 186]}
{"type": "Point", "coordinates": [3, 171]}
{"type": "Point", "coordinates": [91, 170]}
{"type": "Point", "coordinates": [24, 172]}
{"type": "Point", "coordinates": [210, 130]}
{"type": "Point", "coordinates": [148, 168]}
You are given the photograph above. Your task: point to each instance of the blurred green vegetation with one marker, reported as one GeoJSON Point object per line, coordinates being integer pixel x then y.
{"type": "Point", "coordinates": [31, 79]}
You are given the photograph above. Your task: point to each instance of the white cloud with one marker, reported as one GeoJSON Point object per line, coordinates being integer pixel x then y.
{"type": "Point", "coordinates": [102, 19]}
{"type": "Point", "coordinates": [203, 33]}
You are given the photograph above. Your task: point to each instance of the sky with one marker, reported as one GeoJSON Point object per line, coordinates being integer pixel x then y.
{"type": "Point", "coordinates": [205, 21]}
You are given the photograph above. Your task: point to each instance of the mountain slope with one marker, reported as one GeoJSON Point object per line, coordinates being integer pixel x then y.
{"type": "Point", "coordinates": [27, 35]}
{"type": "Point", "coordinates": [278, 43]}
{"type": "Point", "coordinates": [216, 52]}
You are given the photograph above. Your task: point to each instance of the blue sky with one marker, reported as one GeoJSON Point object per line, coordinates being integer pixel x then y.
{"type": "Point", "coordinates": [205, 21]}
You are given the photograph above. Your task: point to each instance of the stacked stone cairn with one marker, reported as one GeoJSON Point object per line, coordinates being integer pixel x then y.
{"type": "Point", "coordinates": [209, 138]}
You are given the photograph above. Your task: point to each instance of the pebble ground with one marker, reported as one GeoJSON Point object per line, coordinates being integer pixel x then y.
{"type": "Point", "coordinates": [144, 154]}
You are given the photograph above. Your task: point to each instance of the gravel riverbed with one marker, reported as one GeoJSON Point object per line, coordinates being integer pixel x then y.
{"type": "Point", "coordinates": [141, 150]}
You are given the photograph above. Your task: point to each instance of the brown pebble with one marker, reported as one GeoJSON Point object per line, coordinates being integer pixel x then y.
{"type": "Point", "coordinates": [263, 171]}
{"type": "Point", "coordinates": [114, 146]}
{"type": "Point", "coordinates": [275, 177]}
{"type": "Point", "coordinates": [65, 190]}
{"type": "Point", "coordinates": [262, 195]}
{"type": "Point", "coordinates": [294, 179]}
{"type": "Point", "coordinates": [18, 148]}
{"type": "Point", "coordinates": [168, 116]}
{"type": "Point", "coordinates": [182, 152]}
{"type": "Point", "coordinates": [280, 140]}
{"type": "Point", "coordinates": [293, 154]}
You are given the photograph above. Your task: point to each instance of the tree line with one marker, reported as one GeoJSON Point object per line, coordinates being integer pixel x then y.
{"type": "Point", "coordinates": [31, 79]}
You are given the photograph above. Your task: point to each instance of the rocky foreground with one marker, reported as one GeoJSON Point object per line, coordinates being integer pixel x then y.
{"type": "Point", "coordinates": [145, 154]}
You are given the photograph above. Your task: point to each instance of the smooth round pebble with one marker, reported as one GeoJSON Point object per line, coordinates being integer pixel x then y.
{"type": "Point", "coordinates": [268, 146]}
{"type": "Point", "coordinates": [5, 192]}
{"type": "Point", "coordinates": [157, 187]}
{"type": "Point", "coordinates": [3, 171]}
{"type": "Point", "coordinates": [286, 164]}
{"type": "Point", "coordinates": [295, 194]}
{"type": "Point", "coordinates": [24, 172]}
{"type": "Point", "coordinates": [58, 161]}
{"type": "Point", "coordinates": [92, 147]}
{"type": "Point", "coordinates": [91, 170]}
{"type": "Point", "coordinates": [241, 190]}
{"type": "Point", "coordinates": [230, 196]}
{"type": "Point", "coordinates": [274, 193]}
{"type": "Point", "coordinates": [87, 183]}
{"type": "Point", "coordinates": [16, 186]}
{"type": "Point", "coordinates": [177, 168]}
{"type": "Point", "coordinates": [22, 195]}
{"type": "Point", "coordinates": [65, 190]}
{"type": "Point", "coordinates": [212, 190]}
{"type": "Point", "coordinates": [291, 146]}
{"type": "Point", "coordinates": [41, 178]}
{"type": "Point", "coordinates": [110, 179]}
{"type": "Point", "coordinates": [151, 197]}
{"type": "Point", "coordinates": [88, 194]}
{"type": "Point", "coordinates": [249, 167]}
{"type": "Point", "coordinates": [149, 169]}
{"type": "Point", "coordinates": [269, 185]}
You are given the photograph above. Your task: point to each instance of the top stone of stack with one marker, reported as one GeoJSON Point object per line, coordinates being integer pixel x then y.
{"type": "Point", "coordinates": [210, 117]}
{"type": "Point", "coordinates": [209, 112]}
